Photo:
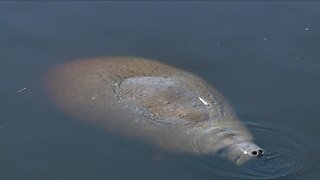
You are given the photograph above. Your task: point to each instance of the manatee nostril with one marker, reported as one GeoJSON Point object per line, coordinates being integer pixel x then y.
{"type": "Point", "coordinates": [260, 152]}
{"type": "Point", "coordinates": [257, 153]}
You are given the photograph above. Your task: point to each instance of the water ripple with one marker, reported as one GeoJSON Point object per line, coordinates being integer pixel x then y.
{"type": "Point", "coordinates": [286, 156]}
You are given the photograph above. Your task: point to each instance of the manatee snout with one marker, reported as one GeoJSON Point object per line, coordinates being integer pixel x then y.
{"type": "Point", "coordinates": [242, 152]}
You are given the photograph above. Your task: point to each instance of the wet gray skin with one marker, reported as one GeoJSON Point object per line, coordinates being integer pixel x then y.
{"type": "Point", "coordinates": [151, 102]}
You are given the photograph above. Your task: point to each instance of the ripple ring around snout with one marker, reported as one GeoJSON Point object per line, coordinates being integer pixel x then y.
{"type": "Point", "coordinates": [286, 156]}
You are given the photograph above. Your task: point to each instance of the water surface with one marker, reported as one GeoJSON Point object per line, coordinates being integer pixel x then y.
{"type": "Point", "coordinates": [263, 57]}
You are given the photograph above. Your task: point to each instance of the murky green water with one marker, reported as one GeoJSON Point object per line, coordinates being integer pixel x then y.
{"type": "Point", "coordinates": [263, 57]}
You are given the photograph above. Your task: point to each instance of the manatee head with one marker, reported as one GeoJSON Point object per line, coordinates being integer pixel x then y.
{"type": "Point", "coordinates": [234, 144]}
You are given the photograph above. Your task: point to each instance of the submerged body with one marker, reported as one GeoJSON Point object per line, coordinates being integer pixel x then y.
{"type": "Point", "coordinates": [153, 102]}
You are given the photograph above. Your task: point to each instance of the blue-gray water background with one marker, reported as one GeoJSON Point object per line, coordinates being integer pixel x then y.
{"type": "Point", "coordinates": [264, 58]}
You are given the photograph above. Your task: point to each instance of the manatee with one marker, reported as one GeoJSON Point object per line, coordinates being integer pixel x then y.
{"type": "Point", "coordinates": [151, 102]}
